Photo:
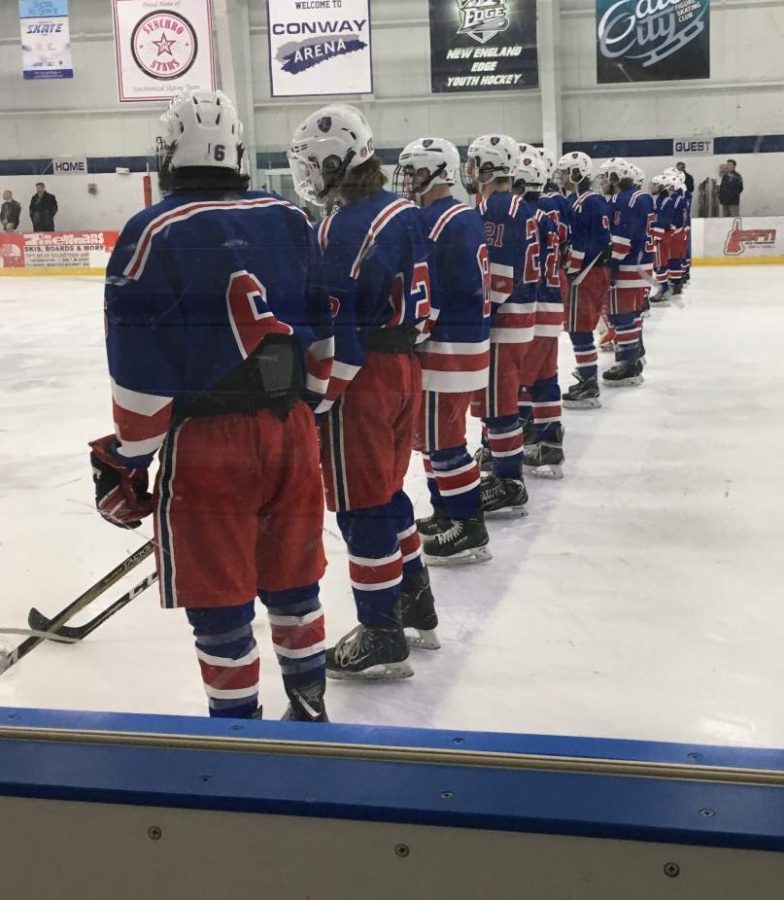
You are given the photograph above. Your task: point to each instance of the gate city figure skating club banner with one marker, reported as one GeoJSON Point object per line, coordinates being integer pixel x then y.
{"type": "Point", "coordinates": [482, 45]}
{"type": "Point", "coordinates": [46, 39]}
{"type": "Point", "coordinates": [319, 47]}
{"type": "Point", "coordinates": [652, 40]}
{"type": "Point", "coordinates": [163, 47]}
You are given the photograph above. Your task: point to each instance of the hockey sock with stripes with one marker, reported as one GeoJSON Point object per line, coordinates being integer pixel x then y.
{"type": "Point", "coordinates": [546, 395]}
{"type": "Point", "coordinates": [627, 336]}
{"type": "Point", "coordinates": [375, 562]}
{"type": "Point", "coordinates": [402, 511]}
{"type": "Point", "coordinates": [505, 436]}
{"type": "Point", "coordinates": [432, 485]}
{"type": "Point", "coordinates": [459, 480]}
{"type": "Point", "coordinates": [297, 625]}
{"type": "Point", "coordinates": [228, 658]}
{"type": "Point", "coordinates": [585, 353]}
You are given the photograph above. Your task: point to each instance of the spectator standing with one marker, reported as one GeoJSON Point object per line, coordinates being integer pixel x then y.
{"type": "Point", "coordinates": [43, 208]}
{"type": "Point", "coordinates": [9, 212]}
{"type": "Point", "coordinates": [730, 189]}
{"type": "Point", "coordinates": [681, 167]}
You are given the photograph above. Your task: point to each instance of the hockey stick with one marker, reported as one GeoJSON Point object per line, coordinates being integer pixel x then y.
{"type": "Point", "coordinates": [43, 633]}
{"type": "Point", "coordinates": [79, 604]}
{"type": "Point", "coordinates": [39, 622]}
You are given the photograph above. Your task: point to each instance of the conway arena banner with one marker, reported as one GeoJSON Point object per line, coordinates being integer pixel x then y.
{"type": "Point", "coordinates": [162, 47]}
{"type": "Point", "coordinates": [482, 45]}
{"type": "Point", "coordinates": [46, 39]}
{"type": "Point", "coordinates": [652, 40]}
{"type": "Point", "coordinates": [319, 47]}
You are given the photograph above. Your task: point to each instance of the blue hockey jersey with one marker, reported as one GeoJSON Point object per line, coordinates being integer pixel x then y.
{"type": "Point", "coordinates": [456, 358]}
{"type": "Point", "coordinates": [375, 273]}
{"type": "Point", "coordinates": [559, 208]}
{"type": "Point", "coordinates": [193, 286]}
{"type": "Point", "coordinates": [549, 305]}
{"type": "Point", "coordinates": [590, 231]}
{"type": "Point", "coordinates": [512, 236]}
{"type": "Point", "coordinates": [632, 222]}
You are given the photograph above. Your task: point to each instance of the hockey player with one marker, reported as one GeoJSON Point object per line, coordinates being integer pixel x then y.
{"type": "Point", "coordinates": [661, 189]}
{"type": "Point", "coordinates": [377, 278]}
{"type": "Point", "coordinates": [456, 357]}
{"type": "Point", "coordinates": [679, 239]}
{"type": "Point", "coordinates": [543, 451]}
{"type": "Point", "coordinates": [512, 237]}
{"type": "Point", "coordinates": [586, 269]}
{"type": "Point", "coordinates": [550, 165]}
{"type": "Point", "coordinates": [210, 317]}
{"type": "Point", "coordinates": [632, 259]}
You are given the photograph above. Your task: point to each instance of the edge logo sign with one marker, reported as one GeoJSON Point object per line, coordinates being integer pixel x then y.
{"type": "Point", "coordinates": [652, 40]}
{"type": "Point", "coordinates": [482, 19]}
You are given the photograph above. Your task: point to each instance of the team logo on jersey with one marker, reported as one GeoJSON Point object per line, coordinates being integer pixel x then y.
{"type": "Point", "coordinates": [482, 19]}
{"type": "Point", "coordinates": [164, 45]}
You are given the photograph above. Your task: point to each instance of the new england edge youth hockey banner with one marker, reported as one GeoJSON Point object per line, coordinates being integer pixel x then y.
{"type": "Point", "coordinates": [46, 39]}
{"type": "Point", "coordinates": [319, 47]}
{"type": "Point", "coordinates": [482, 45]}
{"type": "Point", "coordinates": [652, 40]}
{"type": "Point", "coordinates": [162, 47]}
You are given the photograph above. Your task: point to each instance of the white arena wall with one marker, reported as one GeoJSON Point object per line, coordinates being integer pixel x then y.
{"type": "Point", "coordinates": [83, 118]}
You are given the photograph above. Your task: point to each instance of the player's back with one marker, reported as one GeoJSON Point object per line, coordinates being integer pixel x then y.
{"type": "Point", "coordinates": [375, 248]}
{"type": "Point", "coordinates": [590, 230]}
{"type": "Point", "coordinates": [191, 282]}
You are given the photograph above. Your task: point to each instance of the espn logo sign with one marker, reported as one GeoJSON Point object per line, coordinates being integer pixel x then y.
{"type": "Point", "coordinates": [739, 239]}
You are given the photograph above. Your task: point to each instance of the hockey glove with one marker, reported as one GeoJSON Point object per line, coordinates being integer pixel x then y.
{"type": "Point", "coordinates": [120, 492]}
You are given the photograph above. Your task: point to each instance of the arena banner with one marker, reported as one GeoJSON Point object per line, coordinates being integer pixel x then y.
{"type": "Point", "coordinates": [652, 40]}
{"type": "Point", "coordinates": [46, 39]}
{"type": "Point", "coordinates": [56, 250]}
{"type": "Point", "coordinates": [319, 47]}
{"type": "Point", "coordinates": [483, 45]}
{"type": "Point", "coordinates": [162, 47]}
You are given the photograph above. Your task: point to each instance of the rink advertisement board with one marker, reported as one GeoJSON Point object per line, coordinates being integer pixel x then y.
{"type": "Point", "coordinates": [652, 40]}
{"type": "Point", "coordinates": [46, 39]}
{"type": "Point", "coordinates": [483, 45]}
{"type": "Point", "coordinates": [319, 47]}
{"type": "Point", "coordinates": [56, 249]}
{"type": "Point", "coordinates": [162, 47]}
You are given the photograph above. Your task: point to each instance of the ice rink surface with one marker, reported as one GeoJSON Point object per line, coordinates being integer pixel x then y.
{"type": "Point", "coordinates": [643, 596]}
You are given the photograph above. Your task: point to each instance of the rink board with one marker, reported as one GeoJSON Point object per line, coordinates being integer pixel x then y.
{"type": "Point", "coordinates": [123, 805]}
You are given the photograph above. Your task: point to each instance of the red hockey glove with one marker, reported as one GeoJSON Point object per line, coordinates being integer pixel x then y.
{"type": "Point", "coordinates": [120, 492]}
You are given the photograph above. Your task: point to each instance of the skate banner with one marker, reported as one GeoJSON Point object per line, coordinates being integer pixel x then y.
{"type": "Point", "coordinates": [46, 39]}
{"type": "Point", "coordinates": [652, 40]}
{"type": "Point", "coordinates": [483, 45]}
{"type": "Point", "coordinates": [162, 47]}
{"type": "Point", "coordinates": [319, 47]}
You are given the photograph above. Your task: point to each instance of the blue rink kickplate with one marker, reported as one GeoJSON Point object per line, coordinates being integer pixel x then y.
{"type": "Point", "coordinates": [667, 809]}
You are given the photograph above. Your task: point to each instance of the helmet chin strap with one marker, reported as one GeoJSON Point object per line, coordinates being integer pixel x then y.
{"type": "Point", "coordinates": [424, 188]}
{"type": "Point", "coordinates": [338, 177]}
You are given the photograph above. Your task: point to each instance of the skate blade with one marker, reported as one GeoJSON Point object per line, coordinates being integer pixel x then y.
{"type": "Point", "coordinates": [510, 512]}
{"type": "Point", "coordinates": [465, 557]}
{"type": "Point", "coordinates": [593, 403]}
{"type": "Point", "coordinates": [544, 471]}
{"type": "Point", "coordinates": [381, 672]}
{"type": "Point", "coordinates": [627, 382]}
{"type": "Point", "coordinates": [423, 640]}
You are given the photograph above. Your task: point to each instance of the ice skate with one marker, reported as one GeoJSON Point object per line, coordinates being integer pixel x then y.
{"type": "Point", "coordinates": [417, 610]}
{"type": "Point", "coordinates": [306, 703]}
{"type": "Point", "coordinates": [370, 653]}
{"type": "Point", "coordinates": [663, 298]}
{"type": "Point", "coordinates": [583, 395]}
{"type": "Point", "coordinates": [434, 524]}
{"type": "Point", "coordinates": [484, 459]}
{"type": "Point", "coordinates": [465, 541]}
{"type": "Point", "coordinates": [624, 374]}
{"type": "Point", "coordinates": [545, 459]}
{"type": "Point", "coordinates": [503, 497]}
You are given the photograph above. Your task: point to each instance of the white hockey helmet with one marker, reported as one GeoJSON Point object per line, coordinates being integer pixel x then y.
{"type": "Point", "coordinates": [200, 128]}
{"type": "Point", "coordinates": [325, 146]}
{"type": "Point", "coordinates": [657, 183]}
{"type": "Point", "coordinates": [531, 171]}
{"type": "Point", "coordinates": [425, 163]}
{"type": "Point", "coordinates": [549, 160]}
{"type": "Point", "coordinates": [639, 175]}
{"type": "Point", "coordinates": [615, 170]}
{"type": "Point", "coordinates": [670, 181]}
{"type": "Point", "coordinates": [490, 156]}
{"type": "Point", "coordinates": [527, 149]}
{"type": "Point", "coordinates": [576, 166]}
